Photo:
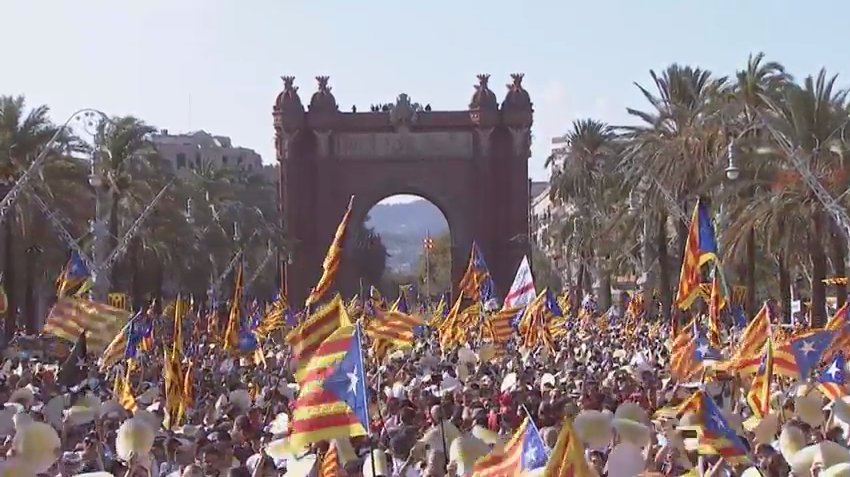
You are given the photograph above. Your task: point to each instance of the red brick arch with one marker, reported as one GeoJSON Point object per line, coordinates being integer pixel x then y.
{"type": "Point", "coordinates": [472, 164]}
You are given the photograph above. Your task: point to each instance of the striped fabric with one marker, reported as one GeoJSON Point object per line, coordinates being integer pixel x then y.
{"type": "Point", "coordinates": [716, 302]}
{"type": "Point", "coordinates": [501, 324]}
{"type": "Point", "coordinates": [505, 460]}
{"type": "Point", "coordinates": [759, 395]}
{"type": "Point", "coordinates": [274, 319]}
{"type": "Point", "coordinates": [231, 333]}
{"type": "Point", "coordinates": [330, 463]}
{"type": "Point", "coordinates": [567, 459]}
{"type": "Point", "coordinates": [309, 335]}
{"type": "Point", "coordinates": [319, 414]}
{"type": "Point", "coordinates": [841, 324]}
{"type": "Point", "coordinates": [394, 326]}
{"type": "Point", "coordinates": [123, 393]}
{"type": "Point", "coordinates": [118, 348]}
{"type": "Point", "coordinates": [71, 316]}
{"type": "Point", "coordinates": [746, 358]}
{"type": "Point", "coordinates": [331, 264]}
{"type": "Point", "coordinates": [689, 276]}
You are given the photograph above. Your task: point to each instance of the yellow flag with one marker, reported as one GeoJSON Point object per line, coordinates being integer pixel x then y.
{"type": "Point", "coordinates": [179, 311]}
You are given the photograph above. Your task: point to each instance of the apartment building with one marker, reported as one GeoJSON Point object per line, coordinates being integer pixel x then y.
{"type": "Point", "coordinates": [200, 148]}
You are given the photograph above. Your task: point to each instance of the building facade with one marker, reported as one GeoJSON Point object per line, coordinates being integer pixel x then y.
{"type": "Point", "coordinates": [199, 149]}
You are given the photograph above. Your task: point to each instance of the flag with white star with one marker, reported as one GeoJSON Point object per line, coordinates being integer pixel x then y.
{"type": "Point", "coordinates": [715, 435]}
{"type": "Point", "coordinates": [832, 381]}
{"type": "Point", "coordinates": [524, 453]}
{"type": "Point", "coordinates": [348, 381]}
{"type": "Point", "coordinates": [690, 357]}
{"type": "Point", "coordinates": [331, 403]}
{"type": "Point", "coordinates": [800, 356]}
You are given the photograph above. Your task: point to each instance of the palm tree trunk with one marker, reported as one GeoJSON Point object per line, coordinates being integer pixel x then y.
{"type": "Point", "coordinates": [750, 297]}
{"type": "Point", "coordinates": [159, 280]}
{"type": "Point", "coordinates": [784, 287]}
{"type": "Point", "coordinates": [664, 283]}
{"type": "Point", "coordinates": [646, 257]}
{"type": "Point", "coordinates": [839, 254]}
{"type": "Point", "coordinates": [31, 282]}
{"type": "Point", "coordinates": [579, 286]}
{"type": "Point", "coordinates": [603, 286]}
{"type": "Point", "coordinates": [9, 279]}
{"type": "Point", "coordinates": [818, 257]}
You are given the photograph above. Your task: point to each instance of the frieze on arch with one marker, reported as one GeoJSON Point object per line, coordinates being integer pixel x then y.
{"type": "Point", "coordinates": [476, 155]}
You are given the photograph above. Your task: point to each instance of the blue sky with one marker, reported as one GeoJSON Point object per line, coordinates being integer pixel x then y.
{"type": "Point", "coordinates": [216, 64]}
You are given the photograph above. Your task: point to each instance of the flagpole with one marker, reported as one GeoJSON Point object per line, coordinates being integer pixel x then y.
{"type": "Point", "coordinates": [365, 398]}
{"type": "Point", "coordinates": [534, 426]}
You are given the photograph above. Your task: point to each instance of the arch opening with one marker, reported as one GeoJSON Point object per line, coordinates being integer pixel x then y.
{"type": "Point", "coordinates": [404, 241]}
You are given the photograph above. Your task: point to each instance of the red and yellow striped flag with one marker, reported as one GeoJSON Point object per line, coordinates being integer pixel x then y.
{"type": "Point", "coordinates": [567, 458]}
{"type": "Point", "coordinates": [330, 463]}
{"type": "Point", "coordinates": [231, 334]}
{"type": "Point", "coordinates": [320, 414]}
{"type": "Point", "coordinates": [101, 322]}
{"type": "Point", "coordinates": [716, 302]}
{"type": "Point", "coordinates": [505, 460]}
{"type": "Point", "coordinates": [689, 276]}
{"type": "Point", "coordinates": [500, 324]}
{"type": "Point", "coordinates": [746, 357]}
{"type": "Point", "coordinates": [309, 335]}
{"type": "Point", "coordinates": [331, 264]}
{"type": "Point", "coordinates": [394, 326]}
{"type": "Point", "coordinates": [123, 393]}
{"type": "Point", "coordinates": [173, 389]}
{"type": "Point", "coordinates": [759, 395]}
{"type": "Point", "coordinates": [179, 310]}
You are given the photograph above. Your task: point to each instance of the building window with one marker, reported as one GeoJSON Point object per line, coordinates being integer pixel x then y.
{"type": "Point", "coordinates": [181, 160]}
{"type": "Point", "coordinates": [239, 161]}
{"type": "Point", "coordinates": [224, 160]}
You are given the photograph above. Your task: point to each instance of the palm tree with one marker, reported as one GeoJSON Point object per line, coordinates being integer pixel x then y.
{"type": "Point", "coordinates": [810, 120]}
{"type": "Point", "coordinates": [757, 83]}
{"type": "Point", "coordinates": [675, 148]}
{"type": "Point", "coordinates": [23, 134]}
{"type": "Point", "coordinates": [125, 152]}
{"type": "Point", "coordinates": [585, 176]}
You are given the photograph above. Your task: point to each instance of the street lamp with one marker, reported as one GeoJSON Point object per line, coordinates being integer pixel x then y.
{"type": "Point", "coordinates": [99, 226]}
{"type": "Point", "coordinates": [633, 203]}
{"type": "Point", "coordinates": [732, 170]}
{"type": "Point", "coordinates": [428, 243]}
{"type": "Point", "coordinates": [190, 217]}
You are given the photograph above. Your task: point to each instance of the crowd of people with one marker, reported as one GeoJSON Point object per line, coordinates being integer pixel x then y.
{"type": "Point", "coordinates": [434, 412]}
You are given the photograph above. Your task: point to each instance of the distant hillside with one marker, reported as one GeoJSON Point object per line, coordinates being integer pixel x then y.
{"type": "Point", "coordinates": [402, 228]}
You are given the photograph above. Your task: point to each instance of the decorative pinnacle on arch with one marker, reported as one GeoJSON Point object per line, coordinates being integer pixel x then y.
{"type": "Point", "coordinates": [289, 84]}
{"type": "Point", "coordinates": [483, 98]}
{"type": "Point", "coordinates": [516, 85]}
{"type": "Point", "coordinates": [323, 84]}
{"type": "Point", "coordinates": [323, 99]}
{"type": "Point", "coordinates": [483, 81]}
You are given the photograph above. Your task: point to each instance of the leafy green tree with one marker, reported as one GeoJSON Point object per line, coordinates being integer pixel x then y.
{"type": "Point", "coordinates": [545, 274]}
{"type": "Point", "coordinates": [370, 256]}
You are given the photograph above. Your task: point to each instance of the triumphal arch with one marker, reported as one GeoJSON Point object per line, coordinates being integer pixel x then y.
{"type": "Point", "coordinates": [470, 163]}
